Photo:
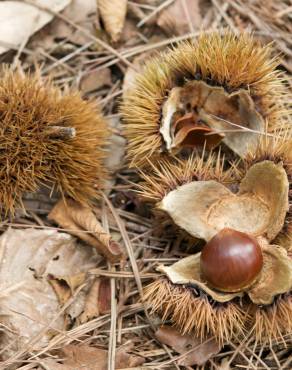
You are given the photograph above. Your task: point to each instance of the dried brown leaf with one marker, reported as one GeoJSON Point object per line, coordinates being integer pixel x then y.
{"type": "Point", "coordinates": [65, 286]}
{"type": "Point", "coordinates": [104, 297]}
{"type": "Point", "coordinates": [202, 352]}
{"type": "Point", "coordinates": [61, 289]}
{"type": "Point", "coordinates": [18, 20]}
{"type": "Point", "coordinates": [78, 12]}
{"type": "Point", "coordinates": [181, 17]}
{"type": "Point", "coordinates": [80, 221]}
{"type": "Point", "coordinates": [132, 73]}
{"type": "Point", "coordinates": [28, 303]}
{"type": "Point", "coordinates": [116, 148]}
{"type": "Point", "coordinates": [95, 80]}
{"type": "Point", "coordinates": [91, 358]}
{"type": "Point", "coordinates": [97, 301]}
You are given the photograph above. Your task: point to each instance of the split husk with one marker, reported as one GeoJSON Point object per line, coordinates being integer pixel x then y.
{"type": "Point", "coordinates": [184, 297]}
{"type": "Point", "coordinates": [203, 208]}
{"type": "Point", "coordinates": [231, 118]}
{"type": "Point", "coordinates": [191, 311]}
{"type": "Point", "coordinates": [240, 76]}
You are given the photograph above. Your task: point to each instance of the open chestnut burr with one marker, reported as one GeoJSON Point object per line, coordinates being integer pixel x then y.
{"type": "Point", "coordinates": [241, 281]}
{"type": "Point", "coordinates": [217, 89]}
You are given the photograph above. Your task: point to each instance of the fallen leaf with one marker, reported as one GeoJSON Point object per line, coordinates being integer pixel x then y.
{"type": "Point", "coordinates": [50, 364]}
{"type": "Point", "coordinates": [203, 350]}
{"type": "Point", "coordinates": [19, 20]}
{"type": "Point", "coordinates": [177, 19]}
{"type": "Point", "coordinates": [65, 286]}
{"type": "Point", "coordinates": [94, 80]}
{"type": "Point", "coordinates": [92, 358]}
{"type": "Point", "coordinates": [130, 34]}
{"type": "Point", "coordinates": [116, 148]}
{"type": "Point", "coordinates": [61, 289]}
{"type": "Point", "coordinates": [80, 221]}
{"type": "Point", "coordinates": [97, 301]}
{"type": "Point", "coordinates": [28, 303]}
{"type": "Point", "coordinates": [113, 14]}
{"type": "Point", "coordinates": [79, 10]}
{"type": "Point", "coordinates": [132, 72]}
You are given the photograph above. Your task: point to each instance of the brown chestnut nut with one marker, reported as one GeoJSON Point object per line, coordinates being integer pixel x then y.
{"type": "Point", "coordinates": [231, 261]}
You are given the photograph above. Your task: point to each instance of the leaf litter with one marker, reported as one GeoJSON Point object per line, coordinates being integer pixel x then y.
{"type": "Point", "coordinates": [69, 326]}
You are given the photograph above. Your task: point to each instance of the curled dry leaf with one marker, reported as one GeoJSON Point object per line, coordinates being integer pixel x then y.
{"type": "Point", "coordinates": [80, 221]}
{"type": "Point", "coordinates": [116, 149]}
{"type": "Point", "coordinates": [180, 17]}
{"type": "Point", "coordinates": [97, 301]}
{"type": "Point", "coordinates": [203, 208]}
{"type": "Point", "coordinates": [231, 118]}
{"type": "Point", "coordinates": [65, 286]}
{"type": "Point", "coordinates": [113, 14]}
{"type": "Point", "coordinates": [28, 303]}
{"type": "Point", "coordinates": [19, 21]}
{"type": "Point", "coordinates": [132, 73]}
{"type": "Point", "coordinates": [94, 80]}
{"type": "Point", "coordinates": [92, 358]}
{"type": "Point", "coordinates": [78, 11]}
{"type": "Point", "coordinates": [202, 350]}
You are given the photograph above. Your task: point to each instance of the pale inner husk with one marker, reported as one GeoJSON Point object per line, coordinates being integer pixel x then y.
{"type": "Point", "coordinates": [275, 277]}
{"type": "Point", "coordinates": [233, 116]}
{"type": "Point", "coordinates": [187, 271]}
{"type": "Point", "coordinates": [203, 208]}
{"type": "Point", "coordinates": [268, 181]}
{"type": "Point", "coordinates": [189, 205]}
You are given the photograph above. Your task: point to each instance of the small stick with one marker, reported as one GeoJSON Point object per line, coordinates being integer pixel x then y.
{"type": "Point", "coordinates": [59, 132]}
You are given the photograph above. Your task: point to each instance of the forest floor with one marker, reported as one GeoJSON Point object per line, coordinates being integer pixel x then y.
{"type": "Point", "coordinates": [75, 50]}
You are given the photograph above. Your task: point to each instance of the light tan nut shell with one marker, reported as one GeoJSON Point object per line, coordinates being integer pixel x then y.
{"type": "Point", "coordinates": [269, 181]}
{"type": "Point", "coordinates": [203, 208]}
{"type": "Point", "coordinates": [276, 276]}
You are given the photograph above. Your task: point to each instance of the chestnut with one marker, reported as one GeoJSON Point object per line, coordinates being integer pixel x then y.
{"type": "Point", "coordinates": [231, 261]}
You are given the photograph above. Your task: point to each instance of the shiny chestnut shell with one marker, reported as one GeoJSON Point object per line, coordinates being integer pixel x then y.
{"type": "Point", "coordinates": [231, 260]}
